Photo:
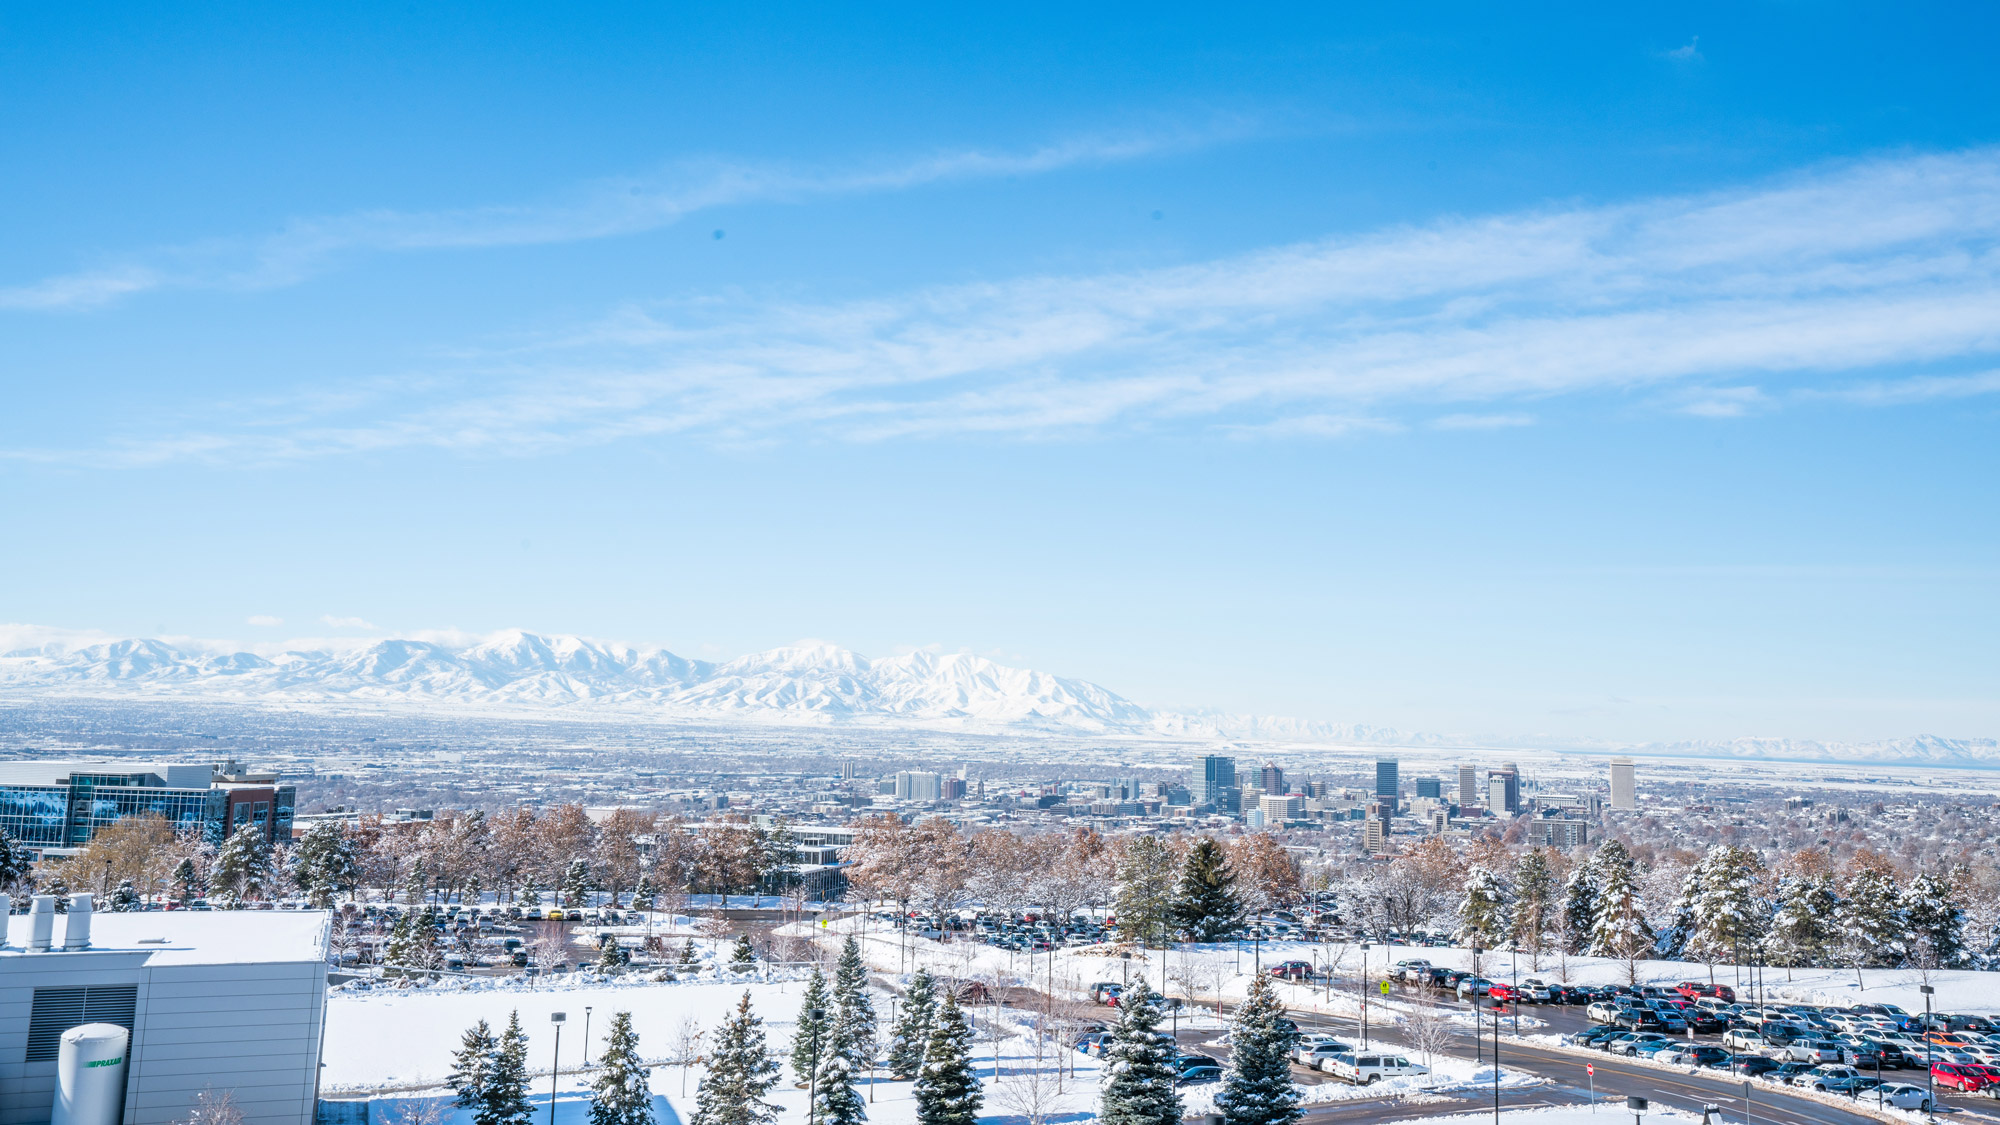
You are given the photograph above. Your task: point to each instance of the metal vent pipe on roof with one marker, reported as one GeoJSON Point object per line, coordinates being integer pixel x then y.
{"type": "Point", "coordinates": [41, 923]}
{"type": "Point", "coordinates": [6, 916]}
{"type": "Point", "coordinates": [76, 933]}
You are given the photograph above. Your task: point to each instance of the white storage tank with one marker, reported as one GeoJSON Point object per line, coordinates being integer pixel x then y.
{"type": "Point", "coordinates": [90, 1075]}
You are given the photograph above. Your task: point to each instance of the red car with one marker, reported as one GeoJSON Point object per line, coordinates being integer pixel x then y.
{"type": "Point", "coordinates": [1504, 992]}
{"type": "Point", "coordinates": [1963, 1077]}
{"type": "Point", "coordinates": [1293, 970]}
{"type": "Point", "coordinates": [1690, 989]}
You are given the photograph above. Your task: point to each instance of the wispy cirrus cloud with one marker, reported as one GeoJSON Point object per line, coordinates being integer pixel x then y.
{"type": "Point", "coordinates": [601, 209]}
{"type": "Point", "coordinates": [1856, 283]}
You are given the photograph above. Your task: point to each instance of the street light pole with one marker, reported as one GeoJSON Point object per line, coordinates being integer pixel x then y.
{"type": "Point", "coordinates": [1496, 1052]}
{"type": "Point", "coordinates": [1364, 995]}
{"type": "Point", "coordinates": [1514, 972]}
{"type": "Point", "coordinates": [586, 1037]}
{"type": "Point", "coordinates": [1930, 1091]}
{"type": "Point", "coordinates": [555, 1063]}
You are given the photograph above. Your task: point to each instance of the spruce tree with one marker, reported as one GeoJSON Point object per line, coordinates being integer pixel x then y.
{"type": "Point", "coordinates": [1873, 931]}
{"type": "Point", "coordinates": [1803, 932]}
{"type": "Point", "coordinates": [325, 863]}
{"type": "Point", "coordinates": [125, 899]}
{"type": "Point", "coordinates": [1205, 902]}
{"type": "Point", "coordinates": [1728, 916]}
{"type": "Point", "coordinates": [1936, 922]}
{"type": "Point", "coordinates": [1534, 902]}
{"type": "Point", "coordinates": [1580, 907]}
{"type": "Point", "coordinates": [854, 1010]}
{"type": "Point", "coordinates": [472, 1066]}
{"type": "Point", "coordinates": [1482, 915]}
{"type": "Point", "coordinates": [620, 1094]}
{"type": "Point", "coordinates": [577, 883]}
{"type": "Point", "coordinates": [242, 867]}
{"type": "Point", "coordinates": [186, 881]}
{"type": "Point", "coordinates": [506, 1100]}
{"type": "Point", "coordinates": [689, 957]}
{"type": "Point", "coordinates": [810, 1037]}
{"type": "Point", "coordinates": [913, 1027]}
{"type": "Point", "coordinates": [1620, 929]}
{"type": "Point", "coordinates": [1138, 1083]}
{"type": "Point", "coordinates": [1672, 942]}
{"type": "Point", "coordinates": [1257, 1088]}
{"type": "Point", "coordinates": [612, 957]}
{"type": "Point", "coordinates": [947, 1091]}
{"type": "Point", "coordinates": [412, 942]}
{"type": "Point", "coordinates": [740, 1074]}
{"type": "Point", "coordinates": [742, 958]}
{"type": "Point", "coordinates": [14, 862]}
{"type": "Point", "coordinates": [1145, 890]}
{"type": "Point", "coordinates": [835, 1100]}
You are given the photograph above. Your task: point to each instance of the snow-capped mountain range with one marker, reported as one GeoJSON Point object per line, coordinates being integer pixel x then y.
{"type": "Point", "coordinates": [815, 683]}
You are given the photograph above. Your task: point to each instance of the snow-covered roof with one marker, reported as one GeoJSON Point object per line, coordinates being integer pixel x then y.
{"type": "Point", "coordinates": [192, 937]}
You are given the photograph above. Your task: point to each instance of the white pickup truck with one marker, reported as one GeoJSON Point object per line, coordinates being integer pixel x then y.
{"type": "Point", "coordinates": [1366, 1070]}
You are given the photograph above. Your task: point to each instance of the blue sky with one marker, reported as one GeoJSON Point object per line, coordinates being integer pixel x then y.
{"type": "Point", "coordinates": [1624, 374]}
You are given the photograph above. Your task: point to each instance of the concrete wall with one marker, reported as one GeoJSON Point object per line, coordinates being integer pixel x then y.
{"type": "Point", "coordinates": [250, 1029]}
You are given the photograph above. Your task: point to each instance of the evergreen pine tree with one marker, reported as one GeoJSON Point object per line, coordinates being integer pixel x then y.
{"type": "Point", "coordinates": [1534, 901]}
{"type": "Point", "coordinates": [56, 887]}
{"type": "Point", "coordinates": [1257, 1088]}
{"type": "Point", "coordinates": [1205, 902]}
{"type": "Point", "coordinates": [642, 894]}
{"type": "Point", "coordinates": [577, 883]}
{"type": "Point", "coordinates": [1672, 942]}
{"type": "Point", "coordinates": [412, 943]}
{"type": "Point", "coordinates": [1138, 1083]}
{"type": "Point", "coordinates": [913, 1027]}
{"type": "Point", "coordinates": [1728, 916]}
{"type": "Point", "coordinates": [853, 1009]}
{"type": "Point", "coordinates": [947, 1092]}
{"type": "Point", "coordinates": [620, 1094]}
{"type": "Point", "coordinates": [186, 881]}
{"type": "Point", "coordinates": [1619, 928]}
{"type": "Point", "coordinates": [689, 957]}
{"type": "Point", "coordinates": [506, 1100]}
{"type": "Point", "coordinates": [611, 956]}
{"type": "Point", "coordinates": [14, 862]}
{"type": "Point", "coordinates": [1145, 890]}
{"type": "Point", "coordinates": [1482, 916]}
{"type": "Point", "coordinates": [242, 867]}
{"type": "Point", "coordinates": [810, 1037]}
{"type": "Point", "coordinates": [742, 958]}
{"type": "Point", "coordinates": [325, 863]}
{"type": "Point", "coordinates": [1803, 930]}
{"type": "Point", "coordinates": [1580, 907]}
{"type": "Point", "coordinates": [1872, 928]}
{"type": "Point", "coordinates": [125, 898]}
{"type": "Point", "coordinates": [1936, 922]}
{"type": "Point", "coordinates": [472, 1066]}
{"type": "Point", "coordinates": [740, 1074]}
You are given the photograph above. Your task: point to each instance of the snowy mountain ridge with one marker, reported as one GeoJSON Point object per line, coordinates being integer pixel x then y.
{"type": "Point", "coordinates": [811, 682]}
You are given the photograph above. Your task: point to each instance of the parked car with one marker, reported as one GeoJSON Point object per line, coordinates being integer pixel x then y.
{"type": "Point", "coordinates": [1474, 986]}
{"type": "Point", "coordinates": [1902, 1095]}
{"type": "Point", "coordinates": [1366, 1070]}
{"type": "Point", "coordinates": [1743, 1041]}
{"type": "Point", "coordinates": [1199, 1076]}
{"type": "Point", "coordinates": [1603, 1011]}
{"type": "Point", "coordinates": [1292, 970]}
{"type": "Point", "coordinates": [1752, 1066]}
{"type": "Point", "coordinates": [1831, 1079]}
{"type": "Point", "coordinates": [1961, 1077]}
{"type": "Point", "coordinates": [1629, 1044]}
{"type": "Point", "coordinates": [1788, 1071]}
{"type": "Point", "coordinates": [1813, 1051]}
{"type": "Point", "coordinates": [1310, 1057]}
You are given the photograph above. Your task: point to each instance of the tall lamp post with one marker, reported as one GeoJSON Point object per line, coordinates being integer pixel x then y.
{"type": "Point", "coordinates": [1930, 1092]}
{"type": "Point", "coordinates": [1478, 1026]}
{"type": "Point", "coordinates": [1514, 974]}
{"type": "Point", "coordinates": [586, 1037]}
{"type": "Point", "coordinates": [812, 1076]}
{"type": "Point", "coordinates": [1495, 1005]}
{"type": "Point", "coordinates": [1365, 946]}
{"type": "Point", "coordinates": [555, 1063]}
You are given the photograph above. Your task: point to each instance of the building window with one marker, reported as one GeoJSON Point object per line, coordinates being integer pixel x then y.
{"type": "Point", "coordinates": [56, 1010]}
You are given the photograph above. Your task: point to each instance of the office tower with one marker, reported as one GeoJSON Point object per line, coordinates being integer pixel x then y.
{"type": "Point", "coordinates": [1430, 787]}
{"type": "Point", "coordinates": [1278, 809]}
{"type": "Point", "coordinates": [1503, 792]}
{"type": "Point", "coordinates": [1271, 779]}
{"type": "Point", "coordinates": [1388, 786]}
{"type": "Point", "coordinates": [1623, 794]}
{"type": "Point", "coordinates": [1217, 774]}
{"type": "Point", "coordinates": [915, 785]}
{"type": "Point", "coordinates": [952, 789]}
{"type": "Point", "coordinates": [1468, 786]}
{"type": "Point", "coordinates": [1375, 831]}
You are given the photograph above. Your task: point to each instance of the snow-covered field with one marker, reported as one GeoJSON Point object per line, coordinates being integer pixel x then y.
{"type": "Point", "coordinates": [1603, 1114]}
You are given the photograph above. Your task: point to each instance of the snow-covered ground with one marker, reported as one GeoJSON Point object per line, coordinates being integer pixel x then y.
{"type": "Point", "coordinates": [1603, 1114]}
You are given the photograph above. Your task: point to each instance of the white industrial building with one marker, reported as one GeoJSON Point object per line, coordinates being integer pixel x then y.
{"type": "Point", "coordinates": [231, 1001]}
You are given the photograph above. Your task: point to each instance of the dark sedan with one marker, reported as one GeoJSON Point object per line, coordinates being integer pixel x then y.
{"type": "Point", "coordinates": [1752, 1066]}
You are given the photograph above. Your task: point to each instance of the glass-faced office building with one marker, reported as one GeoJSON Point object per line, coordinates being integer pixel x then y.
{"type": "Point", "coordinates": [60, 805]}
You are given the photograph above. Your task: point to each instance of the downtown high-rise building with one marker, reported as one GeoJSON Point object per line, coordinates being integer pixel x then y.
{"type": "Point", "coordinates": [1218, 778]}
{"type": "Point", "coordinates": [1388, 785]}
{"type": "Point", "coordinates": [1624, 792]}
{"type": "Point", "coordinates": [1271, 779]}
{"type": "Point", "coordinates": [1469, 795]}
{"type": "Point", "coordinates": [1503, 791]}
